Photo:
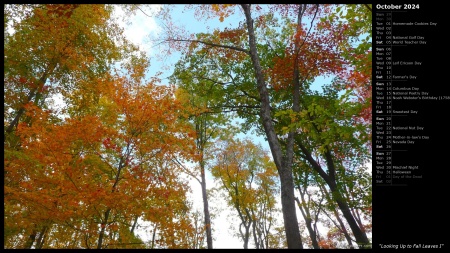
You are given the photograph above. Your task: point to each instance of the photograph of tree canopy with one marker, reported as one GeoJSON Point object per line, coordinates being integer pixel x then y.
{"type": "Point", "coordinates": [139, 126]}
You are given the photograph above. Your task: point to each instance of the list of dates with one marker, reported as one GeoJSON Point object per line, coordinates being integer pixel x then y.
{"type": "Point", "coordinates": [410, 104]}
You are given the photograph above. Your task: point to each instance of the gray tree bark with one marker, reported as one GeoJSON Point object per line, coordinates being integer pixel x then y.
{"type": "Point", "coordinates": [283, 163]}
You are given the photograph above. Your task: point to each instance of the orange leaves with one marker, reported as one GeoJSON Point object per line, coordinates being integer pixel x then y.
{"type": "Point", "coordinates": [114, 227]}
{"type": "Point", "coordinates": [26, 185]}
{"type": "Point", "coordinates": [68, 171]}
{"type": "Point", "coordinates": [222, 10]}
{"type": "Point", "coordinates": [61, 9]}
{"type": "Point", "coordinates": [309, 52]}
{"type": "Point", "coordinates": [327, 244]}
{"type": "Point", "coordinates": [233, 35]}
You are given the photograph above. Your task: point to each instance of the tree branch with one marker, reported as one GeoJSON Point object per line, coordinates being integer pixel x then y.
{"type": "Point", "coordinates": [214, 45]}
{"type": "Point", "coordinates": [186, 170]}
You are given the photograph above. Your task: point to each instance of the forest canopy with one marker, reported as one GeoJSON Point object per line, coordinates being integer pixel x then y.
{"type": "Point", "coordinates": [100, 153]}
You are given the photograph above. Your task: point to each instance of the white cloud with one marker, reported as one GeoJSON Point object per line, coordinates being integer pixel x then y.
{"type": "Point", "coordinates": [139, 27]}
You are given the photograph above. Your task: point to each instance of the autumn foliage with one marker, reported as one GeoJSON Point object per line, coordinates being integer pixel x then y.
{"type": "Point", "coordinates": [84, 176]}
{"type": "Point", "coordinates": [97, 153]}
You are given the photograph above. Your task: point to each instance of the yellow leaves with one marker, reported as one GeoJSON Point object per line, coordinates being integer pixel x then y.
{"type": "Point", "coordinates": [63, 172]}
{"type": "Point", "coordinates": [215, 7]}
{"type": "Point", "coordinates": [222, 10]}
{"type": "Point", "coordinates": [109, 110]}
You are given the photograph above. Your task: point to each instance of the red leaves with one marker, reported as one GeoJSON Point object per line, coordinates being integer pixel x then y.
{"type": "Point", "coordinates": [312, 53]}
{"type": "Point", "coordinates": [59, 10]}
{"type": "Point", "coordinates": [108, 144]}
{"type": "Point", "coordinates": [232, 34]}
{"type": "Point", "coordinates": [282, 72]}
{"type": "Point", "coordinates": [166, 194]}
{"type": "Point", "coordinates": [26, 185]}
{"type": "Point", "coordinates": [327, 244]}
{"type": "Point", "coordinates": [22, 80]}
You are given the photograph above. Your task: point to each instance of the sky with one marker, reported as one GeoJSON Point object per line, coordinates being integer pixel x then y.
{"type": "Point", "coordinates": [140, 29]}
{"type": "Point", "coordinates": [139, 32]}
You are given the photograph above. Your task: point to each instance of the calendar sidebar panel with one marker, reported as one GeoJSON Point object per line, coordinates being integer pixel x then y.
{"type": "Point", "coordinates": [411, 105]}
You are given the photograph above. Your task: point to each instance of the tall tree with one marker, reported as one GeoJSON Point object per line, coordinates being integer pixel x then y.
{"type": "Point", "coordinates": [247, 175]}
{"type": "Point", "coordinates": [84, 180]}
{"type": "Point", "coordinates": [52, 49]}
{"type": "Point", "coordinates": [330, 138]}
{"type": "Point", "coordinates": [283, 63]}
{"type": "Point", "coordinates": [307, 61]}
{"type": "Point", "coordinates": [206, 124]}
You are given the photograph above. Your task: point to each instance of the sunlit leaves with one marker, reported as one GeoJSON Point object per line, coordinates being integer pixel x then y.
{"type": "Point", "coordinates": [106, 160]}
{"type": "Point", "coordinates": [86, 171]}
{"type": "Point", "coordinates": [307, 42]}
{"type": "Point", "coordinates": [248, 176]}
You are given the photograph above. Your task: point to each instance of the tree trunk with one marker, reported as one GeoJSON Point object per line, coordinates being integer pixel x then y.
{"type": "Point", "coordinates": [154, 236]}
{"type": "Point", "coordinates": [330, 179]}
{"type": "Point", "coordinates": [206, 208]}
{"type": "Point", "coordinates": [308, 220]}
{"type": "Point", "coordinates": [30, 241]}
{"type": "Point", "coordinates": [41, 238]}
{"type": "Point", "coordinates": [246, 234]}
{"type": "Point", "coordinates": [360, 236]}
{"type": "Point", "coordinates": [108, 211]}
{"type": "Point", "coordinates": [33, 93]}
{"type": "Point", "coordinates": [282, 163]}
{"type": "Point", "coordinates": [344, 230]}
{"type": "Point", "coordinates": [255, 238]}
{"type": "Point", "coordinates": [134, 224]}
{"type": "Point", "coordinates": [102, 230]}
{"type": "Point", "coordinates": [202, 139]}
{"type": "Point", "coordinates": [258, 230]}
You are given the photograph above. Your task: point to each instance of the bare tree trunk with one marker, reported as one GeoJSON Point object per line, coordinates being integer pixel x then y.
{"type": "Point", "coordinates": [360, 236]}
{"type": "Point", "coordinates": [202, 139]}
{"type": "Point", "coordinates": [330, 179]}
{"type": "Point", "coordinates": [41, 238]}
{"type": "Point", "coordinates": [284, 164]}
{"type": "Point", "coordinates": [154, 236]}
{"type": "Point", "coordinates": [102, 230]}
{"type": "Point", "coordinates": [30, 240]}
{"type": "Point", "coordinates": [255, 238]}
{"type": "Point", "coordinates": [246, 234]}
{"type": "Point", "coordinates": [308, 220]}
{"type": "Point", "coordinates": [134, 224]}
{"type": "Point", "coordinates": [344, 230]}
{"type": "Point", "coordinates": [206, 209]}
